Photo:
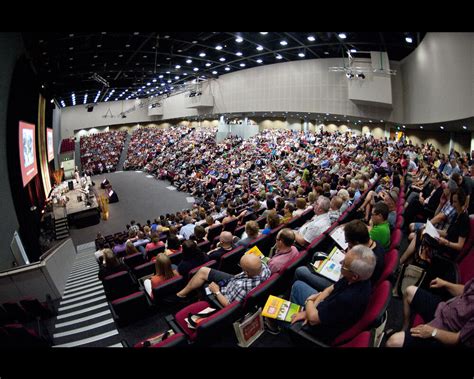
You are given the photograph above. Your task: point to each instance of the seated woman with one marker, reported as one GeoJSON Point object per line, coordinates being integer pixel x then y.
{"type": "Point", "coordinates": [450, 242]}
{"type": "Point", "coordinates": [273, 220]}
{"type": "Point", "coordinates": [251, 232]}
{"type": "Point", "coordinates": [163, 271]}
{"type": "Point", "coordinates": [300, 207]}
{"type": "Point", "coordinates": [155, 243]}
{"type": "Point", "coordinates": [130, 248]}
{"type": "Point", "coordinates": [199, 234]}
{"type": "Point", "coordinates": [111, 264]}
{"type": "Point", "coordinates": [173, 245]}
{"type": "Point", "coordinates": [192, 257]}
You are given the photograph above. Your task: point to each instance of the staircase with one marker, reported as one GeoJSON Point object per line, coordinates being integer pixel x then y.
{"type": "Point", "coordinates": [61, 228]}
{"type": "Point", "coordinates": [123, 156]}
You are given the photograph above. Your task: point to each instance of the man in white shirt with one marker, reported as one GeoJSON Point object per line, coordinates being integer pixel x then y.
{"type": "Point", "coordinates": [318, 225]}
{"type": "Point", "coordinates": [188, 229]}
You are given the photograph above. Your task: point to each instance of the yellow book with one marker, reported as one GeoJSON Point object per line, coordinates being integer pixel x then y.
{"type": "Point", "coordinates": [256, 251]}
{"type": "Point", "coordinates": [280, 309]}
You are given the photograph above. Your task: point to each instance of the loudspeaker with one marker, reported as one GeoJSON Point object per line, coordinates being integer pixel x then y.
{"type": "Point", "coordinates": [104, 183]}
{"type": "Point", "coordinates": [90, 108]}
{"type": "Point", "coordinates": [70, 185]}
{"type": "Point", "coordinates": [113, 198]}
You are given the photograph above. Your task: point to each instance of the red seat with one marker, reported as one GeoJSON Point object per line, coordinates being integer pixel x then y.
{"type": "Point", "coordinates": [395, 239]}
{"type": "Point", "coordinates": [364, 339]}
{"type": "Point", "coordinates": [390, 265]}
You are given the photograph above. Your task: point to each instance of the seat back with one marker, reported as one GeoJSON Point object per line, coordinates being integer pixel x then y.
{"type": "Point", "coordinates": [229, 261]}
{"type": "Point", "coordinates": [119, 285]}
{"type": "Point", "coordinates": [249, 216]}
{"type": "Point", "coordinates": [395, 239]}
{"type": "Point", "coordinates": [154, 252]}
{"type": "Point", "coordinates": [239, 231]}
{"type": "Point", "coordinates": [16, 312]}
{"type": "Point", "coordinates": [167, 288]}
{"type": "Point", "coordinates": [144, 269]}
{"type": "Point", "coordinates": [399, 222]}
{"type": "Point", "coordinates": [35, 308]}
{"type": "Point", "coordinates": [466, 267]}
{"type": "Point", "coordinates": [22, 337]}
{"type": "Point", "coordinates": [231, 225]}
{"type": "Point", "coordinates": [211, 264]}
{"type": "Point", "coordinates": [261, 221]}
{"type": "Point", "coordinates": [315, 244]}
{"type": "Point", "coordinates": [363, 339]}
{"type": "Point", "coordinates": [131, 307]}
{"type": "Point", "coordinates": [133, 260]}
{"type": "Point", "coordinates": [288, 271]}
{"type": "Point", "coordinates": [214, 231]}
{"type": "Point", "coordinates": [204, 246]}
{"type": "Point", "coordinates": [390, 265]}
{"type": "Point", "coordinates": [265, 244]}
{"type": "Point", "coordinates": [175, 258]}
{"type": "Point", "coordinates": [469, 242]}
{"type": "Point", "coordinates": [373, 314]}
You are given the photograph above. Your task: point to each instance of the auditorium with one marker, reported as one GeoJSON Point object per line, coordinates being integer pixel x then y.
{"type": "Point", "coordinates": [237, 190]}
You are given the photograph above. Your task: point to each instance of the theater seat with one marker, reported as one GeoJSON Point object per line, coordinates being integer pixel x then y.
{"type": "Point", "coordinates": [214, 231]}
{"type": "Point", "coordinates": [212, 327]}
{"type": "Point", "coordinates": [211, 264]}
{"type": "Point", "coordinates": [144, 269]}
{"type": "Point", "coordinates": [133, 260]}
{"type": "Point", "coordinates": [130, 308]}
{"type": "Point", "coordinates": [364, 339]}
{"type": "Point", "coordinates": [229, 261]}
{"type": "Point", "coordinates": [395, 239]}
{"type": "Point", "coordinates": [259, 295]}
{"type": "Point", "coordinates": [167, 288]}
{"type": "Point", "coordinates": [390, 265]}
{"type": "Point", "coordinates": [119, 285]}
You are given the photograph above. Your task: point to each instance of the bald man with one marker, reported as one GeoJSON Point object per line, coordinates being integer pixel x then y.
{"type": "Point", "coordinates": [225, 245]}
{"type": "Point", "coordinates": [226, 287]}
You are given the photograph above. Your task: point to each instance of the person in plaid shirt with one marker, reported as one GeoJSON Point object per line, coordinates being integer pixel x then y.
{"type": "Point", "coordinates": [226, 287]}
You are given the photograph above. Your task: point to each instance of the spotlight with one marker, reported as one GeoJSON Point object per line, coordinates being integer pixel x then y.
{"type": "Point", "coordinates": [361, 75]}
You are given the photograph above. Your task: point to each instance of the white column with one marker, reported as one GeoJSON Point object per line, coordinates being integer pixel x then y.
{"type": "Point", "coordinates": [472, 142]}
{"type": "Point", "coordinates": [451, 142]}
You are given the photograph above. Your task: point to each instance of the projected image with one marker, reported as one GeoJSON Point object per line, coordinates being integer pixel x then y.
{"type": "Point", "coordinates": [28, 153]}
{"type": "Point", "coordinates": [26, 137]}
{"type": "Point", "coordinates": [49, 138]}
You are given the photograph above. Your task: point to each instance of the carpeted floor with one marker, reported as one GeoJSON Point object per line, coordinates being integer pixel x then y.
{"type": "Point", "coordinates": [140, 198]}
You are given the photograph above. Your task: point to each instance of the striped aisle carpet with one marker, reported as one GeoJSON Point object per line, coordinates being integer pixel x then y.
{"type": "Point", "coordinates": [84, 318]}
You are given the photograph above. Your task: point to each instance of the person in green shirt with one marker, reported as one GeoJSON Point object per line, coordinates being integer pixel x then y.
{"type": "Point", "coordinates": [379, 230]}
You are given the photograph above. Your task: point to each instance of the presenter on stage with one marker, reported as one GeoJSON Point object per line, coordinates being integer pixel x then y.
{"type": "Point", "coordinates": [77, 176]}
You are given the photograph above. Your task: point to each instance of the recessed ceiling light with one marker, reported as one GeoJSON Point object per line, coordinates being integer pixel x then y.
{"type": "Point", "coordinates": [353, 50]}
{"type": "Point", "coordinates": [214, 72]}
{"type": "Point", "coordinates": [168, 72]}
{"type": "Point", "coordinates": [301, 55]}
{"type": "Point", "coordinates": [238, 53]}
{"type": "Point", "coordinates": [464, 127]}
{"type": "Point", "coordinates": [218, 47]}
{"type": "Point", "coordinates": [222, 59]}
{"type": "Point", "coordinates": [227, 69]}
{"type": "Point", "coordinates": [99, 45]}
{"type": "Point", "coordinates": [160, 77]}
{"type": "Point", "coordinates": [136, 33]}
{"type": "Point", "coordinates": [342, 35]}
{"type": "Point", "coordinates": [176, 77]}
{"type": "Point", "coordinates": [144, 56]}
{"type": "Point", "coordinates": [442, 127]}
{"type": "Point", "coordinates": [154, 80]}
{"type": "Point", "coordinates": [202, 54]}
{"type": "Point", "coordinates": [127, 45]}
{"type": "Point", "coordinates": [421, 127]}
{"type": "Point", "coordinates": [195, 41]}
{"type": "Point", "coordinates": [195, 69]}
{"type": "Point", "coordinates": [311, 38]}
{"type": "Point", "coordinates": [239, 39]}
{"type": "Point", "coordinates": [279, 57]}
{"type": "Point", "coordinates": [263, 33]}
{"type": "Point", "coordinates": [259, 61]}
{"type": "Point", "coordinates": [95, 56]}
{"type": "Point", "coordinates": [189, 61]}
{"type": "Point", "coordinates": [283, 43]}
{"type": "Point", "coordinates": [242, 65]}
{"type": "Point", "coordinates": [71, 35]}
{"type": "Point", "coordinates": [326, 53]}
{"type": "Point", "coordinates": [177, 67]}
{"type": "Point", "coordinates": [180, 51]}
{"type": "Point", "coordinates": [409, 39]}
{"type": "Point", "coordinates": [403, 126]}
{"type": "Point", "coordinates": [121, 55]}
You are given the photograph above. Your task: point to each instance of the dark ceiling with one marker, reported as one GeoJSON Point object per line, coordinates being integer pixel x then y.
{"type": "Point", "coordinates": [141, 64]}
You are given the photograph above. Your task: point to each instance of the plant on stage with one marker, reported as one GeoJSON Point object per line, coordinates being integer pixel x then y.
{"type": "Point", "coordinates": [104, 207]}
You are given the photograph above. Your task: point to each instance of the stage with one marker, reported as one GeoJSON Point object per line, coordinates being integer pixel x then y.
{"type": "Point", "coordinates": [78, 204]}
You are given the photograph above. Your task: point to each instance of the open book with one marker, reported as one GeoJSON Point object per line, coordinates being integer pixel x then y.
{"type": "Point", "coordinates": [330, 267]}
{"type": "Point", "coordinates": [339, 236]}
{"type": "Point", "coordinates": [199, 317]}
{"type": "Point", "coordinates": [256, 251]}
{"type": "Point", "coordinates": [280, 309]}
{"type": "Point", "coordinates": [430, 230]}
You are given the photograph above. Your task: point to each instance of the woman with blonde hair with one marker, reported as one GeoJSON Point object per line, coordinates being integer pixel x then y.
{"type": "Point", "coordinates": [163, 271]}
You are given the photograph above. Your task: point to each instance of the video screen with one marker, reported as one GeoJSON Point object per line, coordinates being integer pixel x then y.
{"type": "Point", "coordinates": [27, 144]}
{"type": "Point", "coordinates": [49, 140]}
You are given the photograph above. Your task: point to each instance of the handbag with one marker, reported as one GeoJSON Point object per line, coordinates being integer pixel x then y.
{"type": "Point", "coordinates": [410, 275]}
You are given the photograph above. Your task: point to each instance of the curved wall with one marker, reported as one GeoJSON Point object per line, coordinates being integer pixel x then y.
{"type": "Point", "coordinates": [438, 79]}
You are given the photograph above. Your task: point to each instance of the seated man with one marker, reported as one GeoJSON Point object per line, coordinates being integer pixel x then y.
{"type": "Point", "coordinates": [318, 224]}
{"type": "Point", "coordinates": [449, 323]}
{"type": "Point", "coordinates": [335, 208]}
{"type": "Point", "coordinates": [356, 233]}
{"type": "Point", "coordinates": [380, 229]}
{"type": "Point", "coordinates": [225, 244]}
{"type": "Point", "coordinates": [328, 313]}
{"type": "Point", "coordinates": [284, 250]}
{"type": "Point", "coordinates": [231, 288]}
{"type": "Point", "coordinates": [188, 229]}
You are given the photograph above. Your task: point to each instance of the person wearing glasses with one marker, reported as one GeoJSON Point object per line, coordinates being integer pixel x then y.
{"type": "Point", "coordinates": [328, 313]}
{"type": "Point", "coordinates": [284, 250]}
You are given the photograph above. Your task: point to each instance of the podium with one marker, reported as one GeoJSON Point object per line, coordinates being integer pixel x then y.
{"type": "Point", "coordinates": [112, 195]}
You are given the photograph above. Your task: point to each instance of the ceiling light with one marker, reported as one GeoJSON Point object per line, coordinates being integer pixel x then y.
{"type": "Point", "coordinates": [421, 127]}
{"type": "Point", "coordinates": [409, 39]}
{"type": "Point", "coordinates": [342, 35]}
{"type": "Point", "coordinates": [301, 55]}
{"type": "Point", "coordinates": [154, 80]}
{"type": "Point", "coordinates": [259, 48]}
{"type": "Point", "coordinates": [202, 54]}
{"type": "Point", "coordinates": [222, 59]}
{"type": "Point", "coordinates": [177, 67]}
{"type": "Point", "coordinates": [242, 65]}
{"type": "Point", "coordinates": [403, 126]}
{"type": "Point", "coordinates": [442, 127]}
{"type": "Point", "coordinates": [195, 69]}
{"type": "Point", "coordinates": [239, 39]}
{"type": "Point", "coordinates": [99, 45]}
{"type": "Point", "coordinates": [160, 77]}
{"type": "Point", "coordinates": [227, 69]}
{"type": "Point", "coordinates": [279, 57]}
{"type": "Point", "coordinates": [176, 77]}
{"type": "Point", "coordinates": [218, 47]}
{"type": "Point", "coordinates": [353, 50]}
{"type": "Point", "coordinates": [263, 33]}
{"type": "Point", "coordinates": [311, 38]}
{"type": "Point", "coordinates": [127, 45]}
{"type": "Point", "coordinates": [214, 72]}
{"type": "Point", "coordinates": [189, 61]}
{"type": "Point", "coordinates": [464, 127]}
{"type": "Point", "coordinates": [283, 43]}
{"type": "Point", "coordinates": [259, 61]}
{"type": "Point", "coordinates": [326, 53]}
{"type": "Point", "coordinates": [168, 72]}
